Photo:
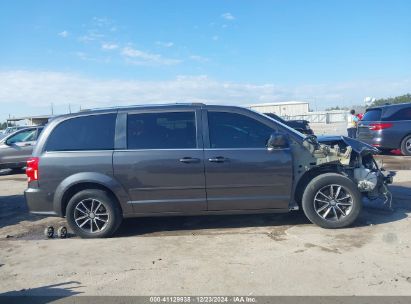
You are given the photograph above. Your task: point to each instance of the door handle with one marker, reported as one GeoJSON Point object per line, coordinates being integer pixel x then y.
{"type": "Point", "coordinates": [189, 160]}
{"type": "Point", "coordinates": [218, 159]}
{"type": "Point", "coordinates": [28, 144]}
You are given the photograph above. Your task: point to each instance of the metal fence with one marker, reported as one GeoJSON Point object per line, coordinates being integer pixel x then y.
{"type": "Point", "coordinates": [322, 117]}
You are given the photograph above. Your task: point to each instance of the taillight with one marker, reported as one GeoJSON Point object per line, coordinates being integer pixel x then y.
{"type": "Point", "coordinates": [380, 126]}
{"type": "Point", "coordinates": [32, 169]}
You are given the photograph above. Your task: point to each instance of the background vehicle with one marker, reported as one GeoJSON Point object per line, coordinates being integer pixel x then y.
{"type": "Point", "coordinates": [302, 126]}
{"type": "Point", "coordinates": [387, 127]}
{"type": "Point", "coordinates": [17, 147]}
{"type": "Point", "coordinates": [10, 130]}
{"type": "Point", "coordinates": [192, 159]}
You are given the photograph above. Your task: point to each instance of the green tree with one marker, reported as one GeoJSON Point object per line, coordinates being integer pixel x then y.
{"type": "Point", "coordinates": [392, 100]}
{"type": "Point", "coordinates": [336, 108]}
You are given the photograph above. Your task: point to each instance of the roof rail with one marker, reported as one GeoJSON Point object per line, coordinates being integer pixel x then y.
{"type": "Point", "coordinates": [146, 105]}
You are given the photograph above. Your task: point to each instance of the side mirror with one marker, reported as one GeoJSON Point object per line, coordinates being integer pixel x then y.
{"type": "Point", "coordinates": [277, 141]}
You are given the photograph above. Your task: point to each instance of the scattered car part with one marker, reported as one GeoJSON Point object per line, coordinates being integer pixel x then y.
{"type": "Point", "coordinates": [62, 232]}
{"type": "Point", "coordinates": [49, 232]}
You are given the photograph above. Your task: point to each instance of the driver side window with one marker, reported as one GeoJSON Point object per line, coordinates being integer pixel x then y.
{"type": "Point", "coordinates": [232, 130]}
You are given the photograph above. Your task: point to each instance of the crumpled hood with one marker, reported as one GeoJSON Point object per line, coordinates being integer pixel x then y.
{"type": "Point", "coordinates": [358, 146]}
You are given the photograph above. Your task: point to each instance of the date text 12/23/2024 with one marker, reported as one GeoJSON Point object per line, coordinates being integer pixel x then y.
{"type": "Point", "coordinates": [203, 299]}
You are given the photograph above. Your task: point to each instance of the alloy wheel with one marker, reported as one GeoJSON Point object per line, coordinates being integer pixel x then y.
{"type": "Point", "coordinates": [91, 215]}
{"type": "Point", "coordinates": [333, 202]}
{"type": "Point", "coordinates": [408, 145]}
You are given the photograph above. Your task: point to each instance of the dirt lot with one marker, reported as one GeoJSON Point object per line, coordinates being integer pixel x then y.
{"type": "Point", "coordinates": [247, 255]}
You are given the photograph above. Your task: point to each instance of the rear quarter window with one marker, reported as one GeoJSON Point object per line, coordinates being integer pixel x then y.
{"type": "Point", "coordinates": [372, 115]}
{"type": "Point", "coordinates": [94, 132]}
{"type": "Point", "coordinates": [401, 114]}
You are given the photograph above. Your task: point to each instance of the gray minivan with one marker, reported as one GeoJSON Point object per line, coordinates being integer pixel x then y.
{"type": "Point", "coordinates": [100, 166]}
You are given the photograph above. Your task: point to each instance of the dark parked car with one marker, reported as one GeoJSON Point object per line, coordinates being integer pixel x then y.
{"type": "Point", "coordinates": [387, 127]}
{"type": "Point", "coordinates": [98, 167]}
{"type": "Point", "coordinates": [300, 125]}
{"type": "Point", "coordinates": [16, 148]}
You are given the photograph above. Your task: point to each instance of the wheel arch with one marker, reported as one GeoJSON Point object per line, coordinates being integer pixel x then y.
{"type": "Point", "coordinates": [88, 180]}
{"type": "Point", "coordinates": [311, 174]}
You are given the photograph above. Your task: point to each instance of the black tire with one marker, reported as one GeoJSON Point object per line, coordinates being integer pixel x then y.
{"type": "Point", "coordinates": [325, 181]}
{"type": "Point", "coordinates": [406, 145]}
{"type": "Point", "coordinates": [109, 206]}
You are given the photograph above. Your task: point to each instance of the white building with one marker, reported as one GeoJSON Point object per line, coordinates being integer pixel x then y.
{"type": "Point", "coordinates": [289, 108]}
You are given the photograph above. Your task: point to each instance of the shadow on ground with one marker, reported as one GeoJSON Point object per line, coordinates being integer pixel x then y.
{"type": "Point", "coordinates": [201, 225]}
{"type": "Point", "coordinates": [43, 294]}
{"type": "Point", "coordinates": [13, 210]}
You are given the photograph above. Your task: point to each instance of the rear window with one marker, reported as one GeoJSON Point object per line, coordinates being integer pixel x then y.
{"type": "Point", "coordinates": [372, 115]}
{"type": "Point", "coordinates": [95, 132]}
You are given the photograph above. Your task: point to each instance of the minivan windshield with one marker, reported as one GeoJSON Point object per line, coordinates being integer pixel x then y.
{"type": "Point", "coordinates": [372, 115]}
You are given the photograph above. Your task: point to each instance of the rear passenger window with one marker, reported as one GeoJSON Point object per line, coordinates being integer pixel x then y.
{"type": "Point", "coordinates": [94, 132]}
{"type": "Point", "coordinates": [231, 130]}
{"type": "Point", "coordinates": [402, 114]}
{"type": "Point", "coordinates": [168, 130]}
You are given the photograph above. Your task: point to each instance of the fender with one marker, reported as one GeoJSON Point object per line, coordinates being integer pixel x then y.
{"type": "Point", "coordinates": [91, 177]}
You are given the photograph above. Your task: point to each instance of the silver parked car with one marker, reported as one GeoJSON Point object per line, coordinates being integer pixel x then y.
{"type": "Point", "coordinates": [17, 147]}
{"type": "Point", "coordinates": [10, 130]}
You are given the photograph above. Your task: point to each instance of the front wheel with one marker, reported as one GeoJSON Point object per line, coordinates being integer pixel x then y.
{"type": "Point", "coordinates": [331, 200]}
{"type": "Point", "coordinates": [93, 214]}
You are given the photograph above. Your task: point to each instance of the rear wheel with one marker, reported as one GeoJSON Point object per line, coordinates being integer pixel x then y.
{"type": "Point", "coordinates": [332, 201]}
{"type": "Point", "coordinates": [93, 214]}
{"type": "Point", "coordinates": [406, 145]}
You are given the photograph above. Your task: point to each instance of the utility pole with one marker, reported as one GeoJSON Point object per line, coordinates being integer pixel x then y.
{"type": "Point", "coordinates": [52, 109]}
{"type": "Point", "coordinates": [69, 108]}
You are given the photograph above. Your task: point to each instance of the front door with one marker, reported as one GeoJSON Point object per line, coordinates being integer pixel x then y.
{"type": "Point", "coordinates": [241, 173]}
{"type": "Point", "coordinates": [162, 167]}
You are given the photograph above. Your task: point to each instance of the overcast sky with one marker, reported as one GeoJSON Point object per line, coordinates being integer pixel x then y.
{"type": "Point", "coordinates": [107, 53]}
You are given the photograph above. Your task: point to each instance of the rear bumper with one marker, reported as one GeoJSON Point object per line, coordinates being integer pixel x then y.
{"type": "Point", "coordinates": [38, 202]}
{"type": "Point", "coordinates": [379, 142]}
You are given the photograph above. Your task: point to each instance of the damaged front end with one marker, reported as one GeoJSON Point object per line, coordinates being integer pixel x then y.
{"type": "Point", "coordinates": [355, 160]}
